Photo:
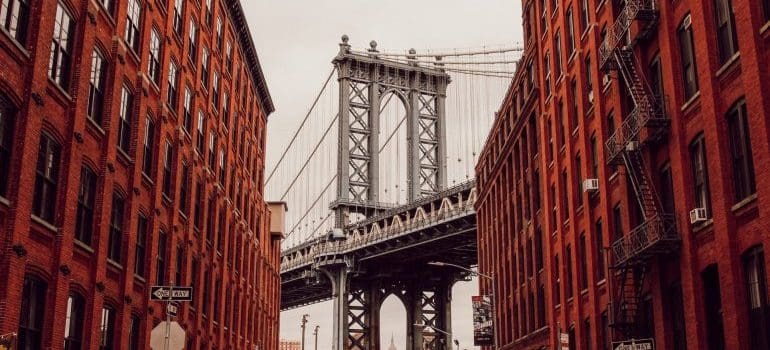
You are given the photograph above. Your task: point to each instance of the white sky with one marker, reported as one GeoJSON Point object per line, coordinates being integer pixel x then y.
{"type": "Point", "coordinates": [296, 41]}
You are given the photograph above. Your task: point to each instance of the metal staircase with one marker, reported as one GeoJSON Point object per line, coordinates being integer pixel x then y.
{"type": "Point", "coordinates": [646, 124]}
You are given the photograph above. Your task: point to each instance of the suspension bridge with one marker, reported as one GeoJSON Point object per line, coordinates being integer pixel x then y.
{"type": "Point", "coordinates": [379, 180]}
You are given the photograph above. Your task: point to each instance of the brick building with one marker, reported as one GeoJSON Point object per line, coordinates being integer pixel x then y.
{"type": "Point", "coordinates": [622, 182]}
{"type": "Point", "coordinates": [132, 137]}
{"type": "Point", "coordinates": [289, 345]}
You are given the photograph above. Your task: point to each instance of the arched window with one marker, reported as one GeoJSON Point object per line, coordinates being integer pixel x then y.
{"type": "Point", "coordinates": [744, 184]}
{"type": "Point", "coordinates": [107, 328]}
{"type": "Point", "coordinates": [46, 179]}
{"type": "Point", "coordinates": [756, 287]}
{"type": "Point", "coordinates": [84, 220]}
{"type": "Point", "coordinates": [73, 323]}
{"type": "Point", "coordinates": [32, 316]}
{"type": "Point", "coordinates": [96, 86]}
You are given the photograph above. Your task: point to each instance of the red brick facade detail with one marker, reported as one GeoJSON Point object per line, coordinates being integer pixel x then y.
{"type": "Point", "coordinates": [531, 172]}
{"type": "Point", "coordinates": [233, 248]}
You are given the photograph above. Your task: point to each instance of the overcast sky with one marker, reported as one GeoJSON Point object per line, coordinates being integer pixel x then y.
{"type": "Point", "coordinates": [296, 41]}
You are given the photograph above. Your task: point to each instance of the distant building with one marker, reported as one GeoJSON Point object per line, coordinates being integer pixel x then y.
{"type": "Point", "coordinates": [288, 345]}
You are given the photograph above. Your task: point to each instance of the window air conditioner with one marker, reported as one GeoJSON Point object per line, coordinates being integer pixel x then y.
{"type": "Point", "coordinates": [590, 185]}
{"type": "Point", "coordinates": [632, 146]}
{"type": "Point", "coordinates": [697, 215]}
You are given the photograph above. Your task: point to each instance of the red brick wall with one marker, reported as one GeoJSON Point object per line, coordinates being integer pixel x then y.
{"type": "Point", "coordinates": [49, 251]}
{"type": "Point", "coordinates": [734, 229]}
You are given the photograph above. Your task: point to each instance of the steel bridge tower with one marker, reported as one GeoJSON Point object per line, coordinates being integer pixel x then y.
{"type": "Point", "coordinates": [364, 77]}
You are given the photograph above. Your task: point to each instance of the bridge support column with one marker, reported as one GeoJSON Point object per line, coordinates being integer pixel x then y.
{"type": "Point", "coordinates": [430, 305]}
{"type": "Point", "coordinates": [339, 277]}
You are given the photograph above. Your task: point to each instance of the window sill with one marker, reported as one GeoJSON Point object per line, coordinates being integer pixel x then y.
{"type": "Point", "coordinates": [692, 101]}
{"type": "Point", "coordinates": [42, 222]}
{"type": "Point", "coordinates": [748, 201]}
{"type": "Point", "coordinates": [124, 157]}
{"type": "Point", "coordinates": [4, 201]}
{"type": "Point", "coordinates": [697, 228]}
{"type": "Point", "coordinates": [765, 28]}
{"type": "Point", "coordinates": [21, 53]}
{"type": "Point", "coordinates": [730, 63]}
{"type": "Point", "coordinates": [140, 279]}
{"type": "Point", "coordinates": [602, 282]}
{"type": "Point", "coordinates": [114, 264]}
{"type": "Point", "coordinates": [82, 246]}
{"type": "Point", "coordinates": [146, 180]}
{"type": "Point", "coordinates": [58, 92]}
{"type": "Point", "coordinates": [94, 128]}
{"type": "Point", "coordinates": [166, 200]}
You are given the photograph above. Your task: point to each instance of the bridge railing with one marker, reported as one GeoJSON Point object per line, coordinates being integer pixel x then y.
{"type": "Point", "coordinates": [373, 233]}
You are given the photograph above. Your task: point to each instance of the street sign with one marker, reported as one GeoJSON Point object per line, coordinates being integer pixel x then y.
{"type": "Point", "coordinates": [634, 344]}
{"type": "Point", "coordinates": [564, 340]}
{"type": "Point", "coordinates": [176, 336]}
{"type": "Point", "coordinates": [172, 309]}
{"type": "Point", "coordinates": [8, 341]}
{"type": "Point", "coordinates": [171, 293]}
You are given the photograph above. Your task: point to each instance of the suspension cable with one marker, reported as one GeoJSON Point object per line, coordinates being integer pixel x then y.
{"type": "Point", "coordinates": [294, 138]}
{"type": "Point", "coordinates": [312, 205]}
{"type": "Point", "coordinates": [310, 157]}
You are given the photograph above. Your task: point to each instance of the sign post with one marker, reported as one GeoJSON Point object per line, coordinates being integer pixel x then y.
{"type": "Point", "coordinates": [170, 295]}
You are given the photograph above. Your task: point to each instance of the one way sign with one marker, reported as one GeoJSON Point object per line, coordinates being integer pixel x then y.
{"type": "Point", "coordinates": [171, 293]}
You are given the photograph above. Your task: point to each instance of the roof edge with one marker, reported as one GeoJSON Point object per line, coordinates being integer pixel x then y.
{"type": "Point", "coordinates": [247, 44]}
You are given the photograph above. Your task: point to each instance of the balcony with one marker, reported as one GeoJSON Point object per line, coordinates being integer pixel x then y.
{"type": "Point", "coordinates": [656, 236]}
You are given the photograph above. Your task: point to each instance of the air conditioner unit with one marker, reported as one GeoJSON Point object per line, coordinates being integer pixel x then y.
{"type": "Point", "coordinates": [591, 96]}
{"type": "Point", "coordinates": [697, 215]}
{"type": "Point", "coordinates": [687, 22]}
{"type": "Point", "coordinates": [632, 146]}
{"type": "Point", "coordinates": [590, 185]}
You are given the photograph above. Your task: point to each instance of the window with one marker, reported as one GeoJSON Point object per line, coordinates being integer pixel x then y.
{"type": "Point", "coordinates": [179, 266]}
{"type": "Point", "coordinates": [178, 13]}
{"type": "Point", "coordinates": [727, 38]}
{"type": "Point", "coordinates": [206, 291]}
{"type": "Point", "coordinates": [557, 279]}
{"type": "Point", "coordinates": [539, 249]}
{"type": "Point", "coordinates": [666, 189]}
{"type": "Point", "coordinates": [198, 205]}
{"type": "Point", "coordinates": [217, 297]}
{"type": "Point", "coordinates": [116, 227]}
{"type": "Point", "coordinates": [229, 56]}
{"type": "Point", "coordinates": [756, 287]}
{"type": "Point", "coordinates": [589, 90]}
{"type": "Point", "coordinates": [134, 333]}
{"type": "Point", "coordinates": [574, 96]}
{"type": "Point", "coordinates": [617, 223]}
{"type": "Point", "coordinates": [160, 258]}
{"type": "Point", "coordinates": [107, 328]}
{"type": "Point", "coordinates": [32, 316]}
{"type": "Point", "coordinates": [547, 65]}
{"type": "Point", "coordinates": [153, 68]}
{"type": "Point", "coordinates": [599, 254]}
{"type": "Point", "coordinates": [568, 273]}
{"type": "Point", "coordinates": [140, 252]}
{"type": "Point", "coordinates": [14, 15]}
{"type": "Point", "coordinates": [205, 67]}
{"type": "Point", "coordinates": [646, 317]}
{"type": "Point", "coordinates": [73, 322]}
{"type": "Point", "coordinates": [149, 147]}
{"type": "Point", "coordinates": [46, 179]}
{"type": "Point", "coordinates": [133, 24]}
{"type": "Point", "coordinates": [124, 126]}
{"type": "Point", "coordinates": [193, 44]}
{"type": "Point", "coordinates": [572, 339]}
{"type": "Point", "coordinates": [84, 222]}
{"type": "Point", "coordinates": [172, 86]}
{"type": "Point", "coordinates": [6, 145]}
{"type": "Point", "coordinates": [212, 150]}
{"type": "Point", "coordinates": [557, 54]}
{"type": "Point", "coordinates": [209, 11]}
{"type": "Point", "coordinates": [584, 15]}
{"type": "Point", "coordinates": [578, 184]}
{"type": "Point", "coordinates": [700, 173]}
{"type": "Point", "coordinates": [583, 262]}
{"type": "Point", "coordinates": [765, 3]}
{"type": "Point", "coordinates": [605, 331]}
{"type": "Point", "coordinates": [587, 336]}
{"type": "Point", "coordinates": [656, 78]}
{"type": "Point", "coordinates": [194, 269]}
{"type": "Point", "coordinates": [184, 190]}
{"type": "Point", "coordinates": [222, 167]}
{"type": "Point", "coordinates": [744, 184]}
{"type": "Point", "coordinates": [219, 33]}
{"type": "Point", "coordinates": [564, 205]}
{"type": "Point", "coordinates": [226, 110]}
{"type": "Point", "coordinates": [169, 154]}
{"type": "Point", "coordinates": [570, 31]}
{"type": "Point", "coordinates": [215, 91]}
{"type": "Point", "coordinates": [673, 310]}
{"type": "Point", "coordinates": [187, 109]}
{"type": "Point", "coordinates": [715, 337]}
{"type": "Point", "coordinates": [562, 130]}
{"type": "Point", "coordinates": [59, 64]}
{"type": "Point", "coordinates": [689, 69]}
{"type": "Point", "coordinates": [96, 86]}
{"type": "Point", "coordinates": [200, 139]}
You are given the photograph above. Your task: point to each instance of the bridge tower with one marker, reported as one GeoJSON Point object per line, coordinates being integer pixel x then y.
{"type": "Point", "coordinates": [364, 77]}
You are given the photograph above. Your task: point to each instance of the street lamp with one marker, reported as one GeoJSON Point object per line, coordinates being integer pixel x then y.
{"type": "Point", "coordinates": [304, 321]}
{"type": "Point", "coordinates": [491, 279]}
{"type": "Point", "coordinates": [422, 325]}
{"type": "Point", "coordinates": [315, 333]}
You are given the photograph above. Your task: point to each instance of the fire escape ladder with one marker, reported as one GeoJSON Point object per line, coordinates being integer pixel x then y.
{"type": "Point", "coordinates": [644, 190]}
{"type": "Point", "coordinates": [630, 298]}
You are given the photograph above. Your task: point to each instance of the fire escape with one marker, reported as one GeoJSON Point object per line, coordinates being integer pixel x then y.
{"type": "Point", "coordinates": [645, 125]}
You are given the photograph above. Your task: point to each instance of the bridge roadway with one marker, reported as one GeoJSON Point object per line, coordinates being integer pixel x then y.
{"type": "Point", "coordinates": [388, 254]}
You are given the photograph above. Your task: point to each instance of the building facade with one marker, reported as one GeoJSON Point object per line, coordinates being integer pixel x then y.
{"type": "Point", "coordinates": [289, 345]}
{"type": "Point", "coordinates": [132, 138]}
{"type": "Point", "coordinates": [620, 188]}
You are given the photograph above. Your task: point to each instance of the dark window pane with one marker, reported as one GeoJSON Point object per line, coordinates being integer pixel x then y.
{"type": "Point", "coordinates": [31, 320]}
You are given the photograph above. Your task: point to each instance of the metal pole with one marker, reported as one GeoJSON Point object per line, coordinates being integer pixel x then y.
{"type": "Point", "coordinates": [315, 333]}
{"type": "Point", "coordinates": [168, 320]}
{"type": "Point", "coordinates": [494, 308]}
{"type": "Point", "coordinates": [304, 321]}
